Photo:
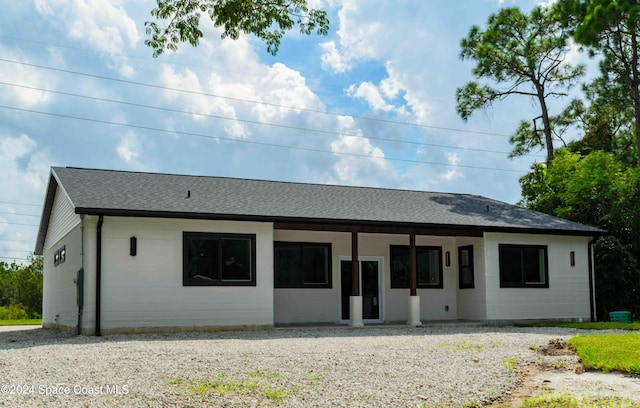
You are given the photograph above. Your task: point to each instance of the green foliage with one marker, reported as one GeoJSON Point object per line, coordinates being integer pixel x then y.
{"type": "Point", "coordinates": [609, 352]}
{"type": "Point", "coordinates": [21, 290]}
{"type": "Point", "coordinates": [564, 400]}
{"type": "Point", "coordinates": [21, 322]}
{"type": "Point", "coordinates": [523, 54]}
{"type": "Point", "coordinates": [268, 20]}
{"type": "Point", "coordinates": [610, 28]}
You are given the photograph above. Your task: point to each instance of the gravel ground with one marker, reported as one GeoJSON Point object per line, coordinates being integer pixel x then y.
{"type": "Point", "coordinates": [438, 366]}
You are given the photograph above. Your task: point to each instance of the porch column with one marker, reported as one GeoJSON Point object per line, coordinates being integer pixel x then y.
{"type": "Point", "coordinates": [355, 300]}
{"type": "Point", "coordinates": [414, 299]}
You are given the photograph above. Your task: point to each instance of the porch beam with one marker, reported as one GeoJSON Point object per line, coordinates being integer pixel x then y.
{"type": "Point", "coordinates": [378, 229]}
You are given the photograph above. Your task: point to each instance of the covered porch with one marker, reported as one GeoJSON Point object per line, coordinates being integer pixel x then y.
{"type": "Point", "coordinates": [400, 274]}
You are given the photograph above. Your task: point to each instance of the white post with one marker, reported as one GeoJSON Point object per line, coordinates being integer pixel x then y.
{"type": "Point", "coordinates": [414, 311]}
{"type": "Point", "coordinates": [355, 310]}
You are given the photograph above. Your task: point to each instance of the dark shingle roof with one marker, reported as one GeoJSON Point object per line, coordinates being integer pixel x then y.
{"type": "Point", "coordinates": [112, 192]}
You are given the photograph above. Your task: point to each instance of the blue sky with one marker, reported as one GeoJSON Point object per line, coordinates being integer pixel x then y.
{"type": "Point", "coordinates": [371, 104]}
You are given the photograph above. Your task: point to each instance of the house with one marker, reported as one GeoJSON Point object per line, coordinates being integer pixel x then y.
{"type": "Point", "coordinates": [130, 251]}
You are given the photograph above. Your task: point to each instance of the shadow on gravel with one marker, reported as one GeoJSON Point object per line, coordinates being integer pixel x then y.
{"type": "Point", "coordinates": [40, 337]}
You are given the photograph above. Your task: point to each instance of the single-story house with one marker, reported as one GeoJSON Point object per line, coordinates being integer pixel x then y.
{"type": "Point", "coordinates": [132, 251]}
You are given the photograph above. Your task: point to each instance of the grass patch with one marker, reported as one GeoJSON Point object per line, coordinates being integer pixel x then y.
{"type": "Point", "coordinates": [585, 325]}
{"type": "Point", "coordinates": [561, 400]}
{"type": "Point", "coordinates": [463, 345]}
{"type": "Point", "coordinates": [609, 352]}
{"type": "Point", "coordinates": [510, 364]}
{"type": "Point", "coordinates": [21, 322]}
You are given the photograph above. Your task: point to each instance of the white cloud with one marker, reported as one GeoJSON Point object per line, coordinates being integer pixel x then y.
{"type": "Point", "coordinates": [370, 93]}
{"type": "Point", "coordinates": [101, 24]}
{"type": "Point", "coordinates": [24, 78]}
{"type": "Point", "coordinates": [332, 59]}
{"type": "Point", "coordinates": [453, 159]}
{"type": "Point", "coordinates": [23, 167]}
{"type": "Point", "coordinates": [352, 170]}
{"type": "Point", "coordinates": [130, 150]}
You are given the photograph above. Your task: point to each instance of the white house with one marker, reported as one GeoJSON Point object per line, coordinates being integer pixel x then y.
{"type": "Point", "coordinates": [128, 251]}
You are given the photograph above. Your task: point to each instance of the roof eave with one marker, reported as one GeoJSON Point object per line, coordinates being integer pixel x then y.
{"type": "Point", "coordinates": [354, 224]}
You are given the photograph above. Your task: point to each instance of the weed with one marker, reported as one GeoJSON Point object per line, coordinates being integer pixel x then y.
{"type": "Point", "coordinates": [463, 346]}
{"type": "Point", "coordinates": [562, 400]}
{"type": "Point", "coordinates": [275, 394]}
{"type": "Point", "coordinates": [510, 364]}
{"type": "Point", "coordinates": [176, 381]}
{"type": "Point", "coordinates": [260, 373]}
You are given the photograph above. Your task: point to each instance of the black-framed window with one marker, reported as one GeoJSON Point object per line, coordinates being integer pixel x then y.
{"type": "Point", "coordinates": [465, 267]}
{"type": "Point", "coordinates": [302, 265]}
{"type": "Point", "coordinates": [218, 259]}
{"type": "Point", "coordinates": [523, 266]}
{"type": "Point", "coordinates": [428, 265]}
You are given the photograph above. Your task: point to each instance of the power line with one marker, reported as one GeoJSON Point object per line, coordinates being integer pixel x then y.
{"type": "Point", "coordinates": [15, 250]}
{"type": "Point", "coordinates": [256, 122]}
{"type": "Point", "coordinates": [15, 223]}
{"type": "Point", "coordinates": [14, 258]}
{"type": "Point", "coordinates": [16, 240]}
{"type": "Point", "coordinates": [19, 214]}
{"type": "Point", "coordinates": [258, 143]}
{"type": "Point", "coordinates": [338, 114]}
{"type": "Point", "coordinates": [12, 202]}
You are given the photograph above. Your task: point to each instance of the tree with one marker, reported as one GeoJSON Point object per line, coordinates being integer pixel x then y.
{"type": "Point", "coordinates": [267, 19]}
{"type": "Point", "coordinates": [21, 287]}
{"type": "Point", "coordinates": [611, 28]}
{"type": "Point", "coordinates": [524, 54]}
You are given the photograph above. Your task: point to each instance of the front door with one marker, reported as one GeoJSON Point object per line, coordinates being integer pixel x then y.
{"type": "Point", "coordinates": [370, 286]}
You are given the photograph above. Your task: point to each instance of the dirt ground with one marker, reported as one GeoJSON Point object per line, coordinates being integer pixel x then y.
{"type": "Point", "coordinates": [568, 376]}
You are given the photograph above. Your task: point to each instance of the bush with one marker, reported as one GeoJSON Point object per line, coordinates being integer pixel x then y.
{"type": "Point", "coordinates": [13, 312]}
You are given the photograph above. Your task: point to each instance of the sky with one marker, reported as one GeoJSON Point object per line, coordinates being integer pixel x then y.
{"type": "Point", "coordinates": [370, 104]}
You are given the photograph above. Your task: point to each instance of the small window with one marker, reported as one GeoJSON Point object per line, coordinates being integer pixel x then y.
{"type": "Point", "coordinates": [302, 265]}
{"type": "Point", "coordinates": [523, 266]}
{"type": "Point", "coordinates": [465, 267]}
{"type": "Point", "coordinates": [429, 266]}
{"type": "Point", "coordinates": [218, 259]}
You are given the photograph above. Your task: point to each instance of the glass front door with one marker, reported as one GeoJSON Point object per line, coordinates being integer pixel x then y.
{"type": "Point", "coordinates": [369, 288]}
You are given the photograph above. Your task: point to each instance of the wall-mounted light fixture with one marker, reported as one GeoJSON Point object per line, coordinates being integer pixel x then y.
{"type": "Point", "coordinates": [63, 253]}
{"type": "Point", "coordinates": [447, 258]}
{"type": "Point", "coordinates": [133, 246]}
{"type": "Point", "coordinates": [572, 258]}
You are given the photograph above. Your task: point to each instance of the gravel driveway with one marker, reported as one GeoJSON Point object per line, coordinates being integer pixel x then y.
{"type": "Point", "coordinates": [449, 365]}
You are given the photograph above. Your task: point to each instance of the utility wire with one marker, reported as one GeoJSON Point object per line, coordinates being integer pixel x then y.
{"type": "Point", "coordinates": [21, 215]}
{"type": "Point", "coordinates": [256, 142]}
{"type": "Point", "coordinates": [17, 223]}
{"type": "Point", "coordinates": [14, 258]}
{"type": "Point", "coordinates": [126, 81]}
{"type": "Point", "coordinates": [16, 240]}
{"type": "Point", "coordinates": [255, 122]}
{"type": "Point", "coordinates": [12, 202]}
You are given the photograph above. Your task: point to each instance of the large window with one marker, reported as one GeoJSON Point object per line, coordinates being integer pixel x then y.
{"type": "Point", "coordinates": [523, 266]}
{"type": "Point", "coordinates": [302, 265]}
{"type": "Point", "coordinates": [218, 259]}
{"type": "Point", "coordinates": [429, 266]}
{"type": "Point", "coordinates": [465, 267]}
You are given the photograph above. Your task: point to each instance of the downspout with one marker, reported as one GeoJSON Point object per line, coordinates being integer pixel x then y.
{"type": "Point", "coordinates": [98, 271]}
{"type": "Point", "coordinates": [592, 302]}
{"type": "Point", "coordinates": [80, 278]}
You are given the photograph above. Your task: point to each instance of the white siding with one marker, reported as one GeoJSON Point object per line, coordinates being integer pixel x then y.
{"type": "Point", "coordinates": [472, 302]}
{"type": "Point", "coordinates": [63, 219]}
{"type": "Point", "coordinates": [146, 291]}
{"type": "Point", "coordinates": [568, 294]}
{"type": "Point", "coordinates": [59, 306]}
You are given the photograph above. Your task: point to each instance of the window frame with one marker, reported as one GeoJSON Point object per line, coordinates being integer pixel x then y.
{"type": "Point", "coordinates": [394, 285]}
{"type": "Point", "coordinates": [219, 237]}
{"type": "Point", "coordinates": [523, 284]}
{"type": "Point", "coordinates": [471, 265]}
{"type": "Point", "coordinates": [302, 285]}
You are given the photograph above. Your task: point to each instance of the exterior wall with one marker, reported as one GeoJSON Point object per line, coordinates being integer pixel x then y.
{"type": "Point", "coordinates": [146, 292]}
{"type": "Point", "coordinates": [59, 297]}
{"type": "Point", "coordinates": [59, 301]}
{"type": "Point", "coordinates": [472, 302]}
{"type": "Point", "coordinates": [295, 305]}
{"type": "Point", "coordinates": [568, 294]}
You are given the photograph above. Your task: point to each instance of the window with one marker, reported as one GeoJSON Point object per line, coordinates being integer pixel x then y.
{"type": "Point", "coordinates": [523, 266]}
{"type": "Point", "coordinates": [429, 266]}
{"type": "Point", "coordinates": [465, 267]}
{"type": "Point", "coordinates": [302, 265]}
{"type": "Point", "coordinates": [218, 259]}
